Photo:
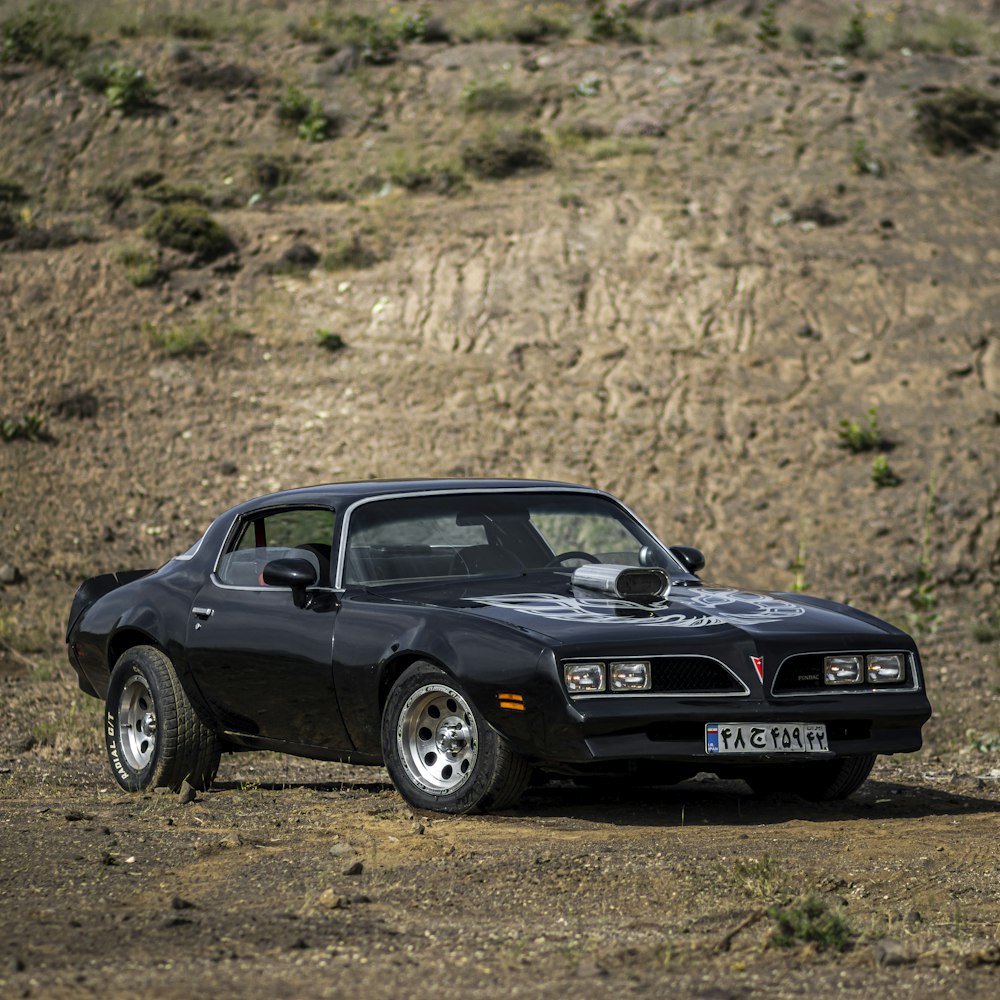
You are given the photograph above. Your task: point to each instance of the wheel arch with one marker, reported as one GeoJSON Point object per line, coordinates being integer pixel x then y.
{"type": "Point", "coordinates": [394, 668]}
{"type": "Point", "coordinates": [127, 638]}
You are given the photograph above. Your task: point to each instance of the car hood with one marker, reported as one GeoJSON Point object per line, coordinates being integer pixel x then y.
{"type": "Point", "coordinates": [563, 613]}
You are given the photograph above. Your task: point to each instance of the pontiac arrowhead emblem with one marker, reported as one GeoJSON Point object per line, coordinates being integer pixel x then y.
{"type": "Point", "coordinates": [758, 665]}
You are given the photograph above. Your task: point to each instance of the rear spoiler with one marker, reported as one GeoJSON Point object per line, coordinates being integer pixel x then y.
{"type": "Point", "coordinates": [95, 588]}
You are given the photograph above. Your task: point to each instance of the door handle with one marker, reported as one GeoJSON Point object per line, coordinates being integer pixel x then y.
{"type": "Point", "coordinates": [203, 613]}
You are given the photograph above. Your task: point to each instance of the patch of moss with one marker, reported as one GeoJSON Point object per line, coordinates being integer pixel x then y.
{"type": "Point", "coordinates": [189, 227]}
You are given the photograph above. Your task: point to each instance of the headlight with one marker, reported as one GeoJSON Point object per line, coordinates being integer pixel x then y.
{"type": "Point", "coordinates": [885, 668]}
{"type": "Point", "coordinates": [584, 678]}
{"type": "Point", "coordinates": [842, 669]}
{"type": "Point", "coordinates": [629, 675]}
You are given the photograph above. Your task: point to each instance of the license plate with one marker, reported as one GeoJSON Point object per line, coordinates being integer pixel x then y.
{"type": "Point", "coordinates": [765, 737]}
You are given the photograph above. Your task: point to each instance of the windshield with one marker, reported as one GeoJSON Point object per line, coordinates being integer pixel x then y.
{"type": "Point", "coordinates": [466, 535]}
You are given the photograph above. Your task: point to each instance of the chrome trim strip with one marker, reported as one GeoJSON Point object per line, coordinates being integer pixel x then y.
{"type": "Point", "coordinates": [659, 694]}
{"type": "Point", "coordinates": [826, 690]}
{"type": "Point", "coordinates": [338, 579]}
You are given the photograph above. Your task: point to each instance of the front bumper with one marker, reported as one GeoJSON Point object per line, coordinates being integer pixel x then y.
{"type": "Point", "coordinates": [618, 727]}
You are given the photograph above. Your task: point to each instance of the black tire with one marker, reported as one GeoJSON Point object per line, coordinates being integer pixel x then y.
{"type": "Point", "coordinates": [818, 781]}
{"type": "Point", "coordinates": [441, 753]}
{"type": "Point", "coordinates": [153, 734]}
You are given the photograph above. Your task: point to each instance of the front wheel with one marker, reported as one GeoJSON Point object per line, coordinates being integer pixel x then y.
{"type": "Point", "coordinates": [441, 753]}
{"type": "Point", "coordinates": [153, 734]}
{"type": "Point", "coordinates": [819, 781]}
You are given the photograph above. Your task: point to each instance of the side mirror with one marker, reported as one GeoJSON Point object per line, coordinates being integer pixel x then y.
{"type": "Point", "coordinates": [692, 559]}
{"type": "Point", "coordinates": [295, 573]}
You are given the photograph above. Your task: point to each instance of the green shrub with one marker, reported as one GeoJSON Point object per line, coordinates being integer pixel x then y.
{"type": "Point", "coordinates": [142, 269]}
{"type": "Point", "coordinates": [376, 39]}
{"type": "Point", "coordinates": [126, 87]}
{"type": "Point", "coordinates": [491, 97]}
{"type": "Point", "coordinates": [297, 108]}
{"type": "Point", "coordinates": [533, 25]}
{"type": "Point", "coordinates": [855, 36]}
{"type": "Point", "coordinates": [611, 24]}
{"type": "Point", "coordinates": [293, 105]}
{"type": "Point", "coordinates": [768, 31]}
{"type": "Point", "coordinates": [958, 120]}
{"type": "Point", "coordinates": [802, 34]}
{"type": "Point", "coordinates": [316, 126]}
{"type": "Point", "coordinates": [882, 474]}
{"type": "Point", "coordinates": [29, 427]}
{"type": "Point", "coordinates": [418, 175]}
{"type": "Point", "coordinates": [810, 921]}
{"type": "Point", "coordinates": [857, 437]}
{"type": "Point", "coordinates": [189, 228]}
{"type": "Point", "coordinates": [330, 341]}
{"type": "Point", "coordinates": [497, 154]}
{"type": "Point", "coordinates": [39, 34]}
{"type": "Point", "coordinates": [191, 27]}
{"type": "Point", "coordinates": [181, 340]}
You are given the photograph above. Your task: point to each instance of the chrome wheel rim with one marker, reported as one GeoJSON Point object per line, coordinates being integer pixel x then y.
{"type": "Point", "coordinates": [137, 722]}
{"type": "Point", "coordinates": [437, 739]}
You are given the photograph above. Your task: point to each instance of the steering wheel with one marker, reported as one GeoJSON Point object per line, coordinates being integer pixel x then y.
{"type": "Point", "coordinates": [572, 554]}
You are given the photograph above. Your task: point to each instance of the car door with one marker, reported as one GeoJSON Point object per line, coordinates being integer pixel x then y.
{"type": "Point", "coordinates": [261, 655]}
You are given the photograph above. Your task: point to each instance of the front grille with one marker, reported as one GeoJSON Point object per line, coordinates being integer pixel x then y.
{"type": "Point", "coordinates": [691, 675]}
{"type": "Point", "coordinates": [804, 672]}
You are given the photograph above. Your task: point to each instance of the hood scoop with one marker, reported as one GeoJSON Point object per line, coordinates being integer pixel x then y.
{"type": "Point", "coordinates": [628, 582]}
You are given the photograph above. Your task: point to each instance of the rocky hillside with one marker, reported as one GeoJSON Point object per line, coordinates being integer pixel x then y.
{"type": "Point", "coordinates": [736, 262]}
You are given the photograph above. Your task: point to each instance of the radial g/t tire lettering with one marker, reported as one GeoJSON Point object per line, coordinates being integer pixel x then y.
{"type": "Point", "coordinates": [154, 736]}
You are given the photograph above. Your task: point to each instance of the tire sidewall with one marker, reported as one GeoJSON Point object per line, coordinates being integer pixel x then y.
{"type": "Point", "coordinates": [471, 794]}
{"type": "Point", "coordinates": [132, 664]}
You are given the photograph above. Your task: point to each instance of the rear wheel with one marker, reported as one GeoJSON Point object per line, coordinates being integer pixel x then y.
{"type": "Point", "coordinates": [819, 781]}
{"type": "Point", "coordinates": [441, 753]}
{"type": "Point", "coordinates": [153, 734]}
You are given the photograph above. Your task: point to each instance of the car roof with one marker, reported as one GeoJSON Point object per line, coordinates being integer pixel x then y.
{"type": "Point", "coordinates": [335, 493]}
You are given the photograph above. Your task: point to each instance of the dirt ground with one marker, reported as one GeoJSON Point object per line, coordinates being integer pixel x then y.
{"type": "Point", "coordinates": [732, 250]}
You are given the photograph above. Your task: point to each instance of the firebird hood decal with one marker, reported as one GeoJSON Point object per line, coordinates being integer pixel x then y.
{"type": "Point", "coordinates": [711, 607]}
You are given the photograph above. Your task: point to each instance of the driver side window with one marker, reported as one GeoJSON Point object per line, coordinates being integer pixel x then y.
{"type": "Point", "coordinates": [288, 534]}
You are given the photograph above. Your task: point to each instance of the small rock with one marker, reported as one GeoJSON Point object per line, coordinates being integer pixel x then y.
{"type": "Point", "coordinates": [861, 356]}
{"type": "Point", "coordinates": [74, 816]}
{"type": "Point", "coordinates": [639, 123]}
{"type": "Point", "coordinates": [187, 794]}
{"type": "Point", "coordinates": [808, 332]}
{"type": "Point", "coordinates": [418, 827]}
{"type": "Point", "coordinates": [15, 965]}
{"type": "Point", "coordinates": [178, 903]}
{"type": "Point", "coordinates": [890, 952]}
{"type": "Point", "coordinates": [333, 900]}
{"type": "Point", "coordinates": [342, 849]}
{"type": "Point", "coordinates": [228, 468]}
{"type": "Point", "coordinates": [9, 573]}
{"type": "Point", "coordinates": [299, 944]}
{"type": "Point", "coordinates": [355, 868]}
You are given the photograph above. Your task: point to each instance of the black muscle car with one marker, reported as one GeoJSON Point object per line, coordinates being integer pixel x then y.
{"type": "Point", "coordinates": [469, 634]}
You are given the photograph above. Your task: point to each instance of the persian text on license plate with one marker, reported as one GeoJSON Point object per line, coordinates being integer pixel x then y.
{"type": "Point", "coordinates": [765, 737]}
